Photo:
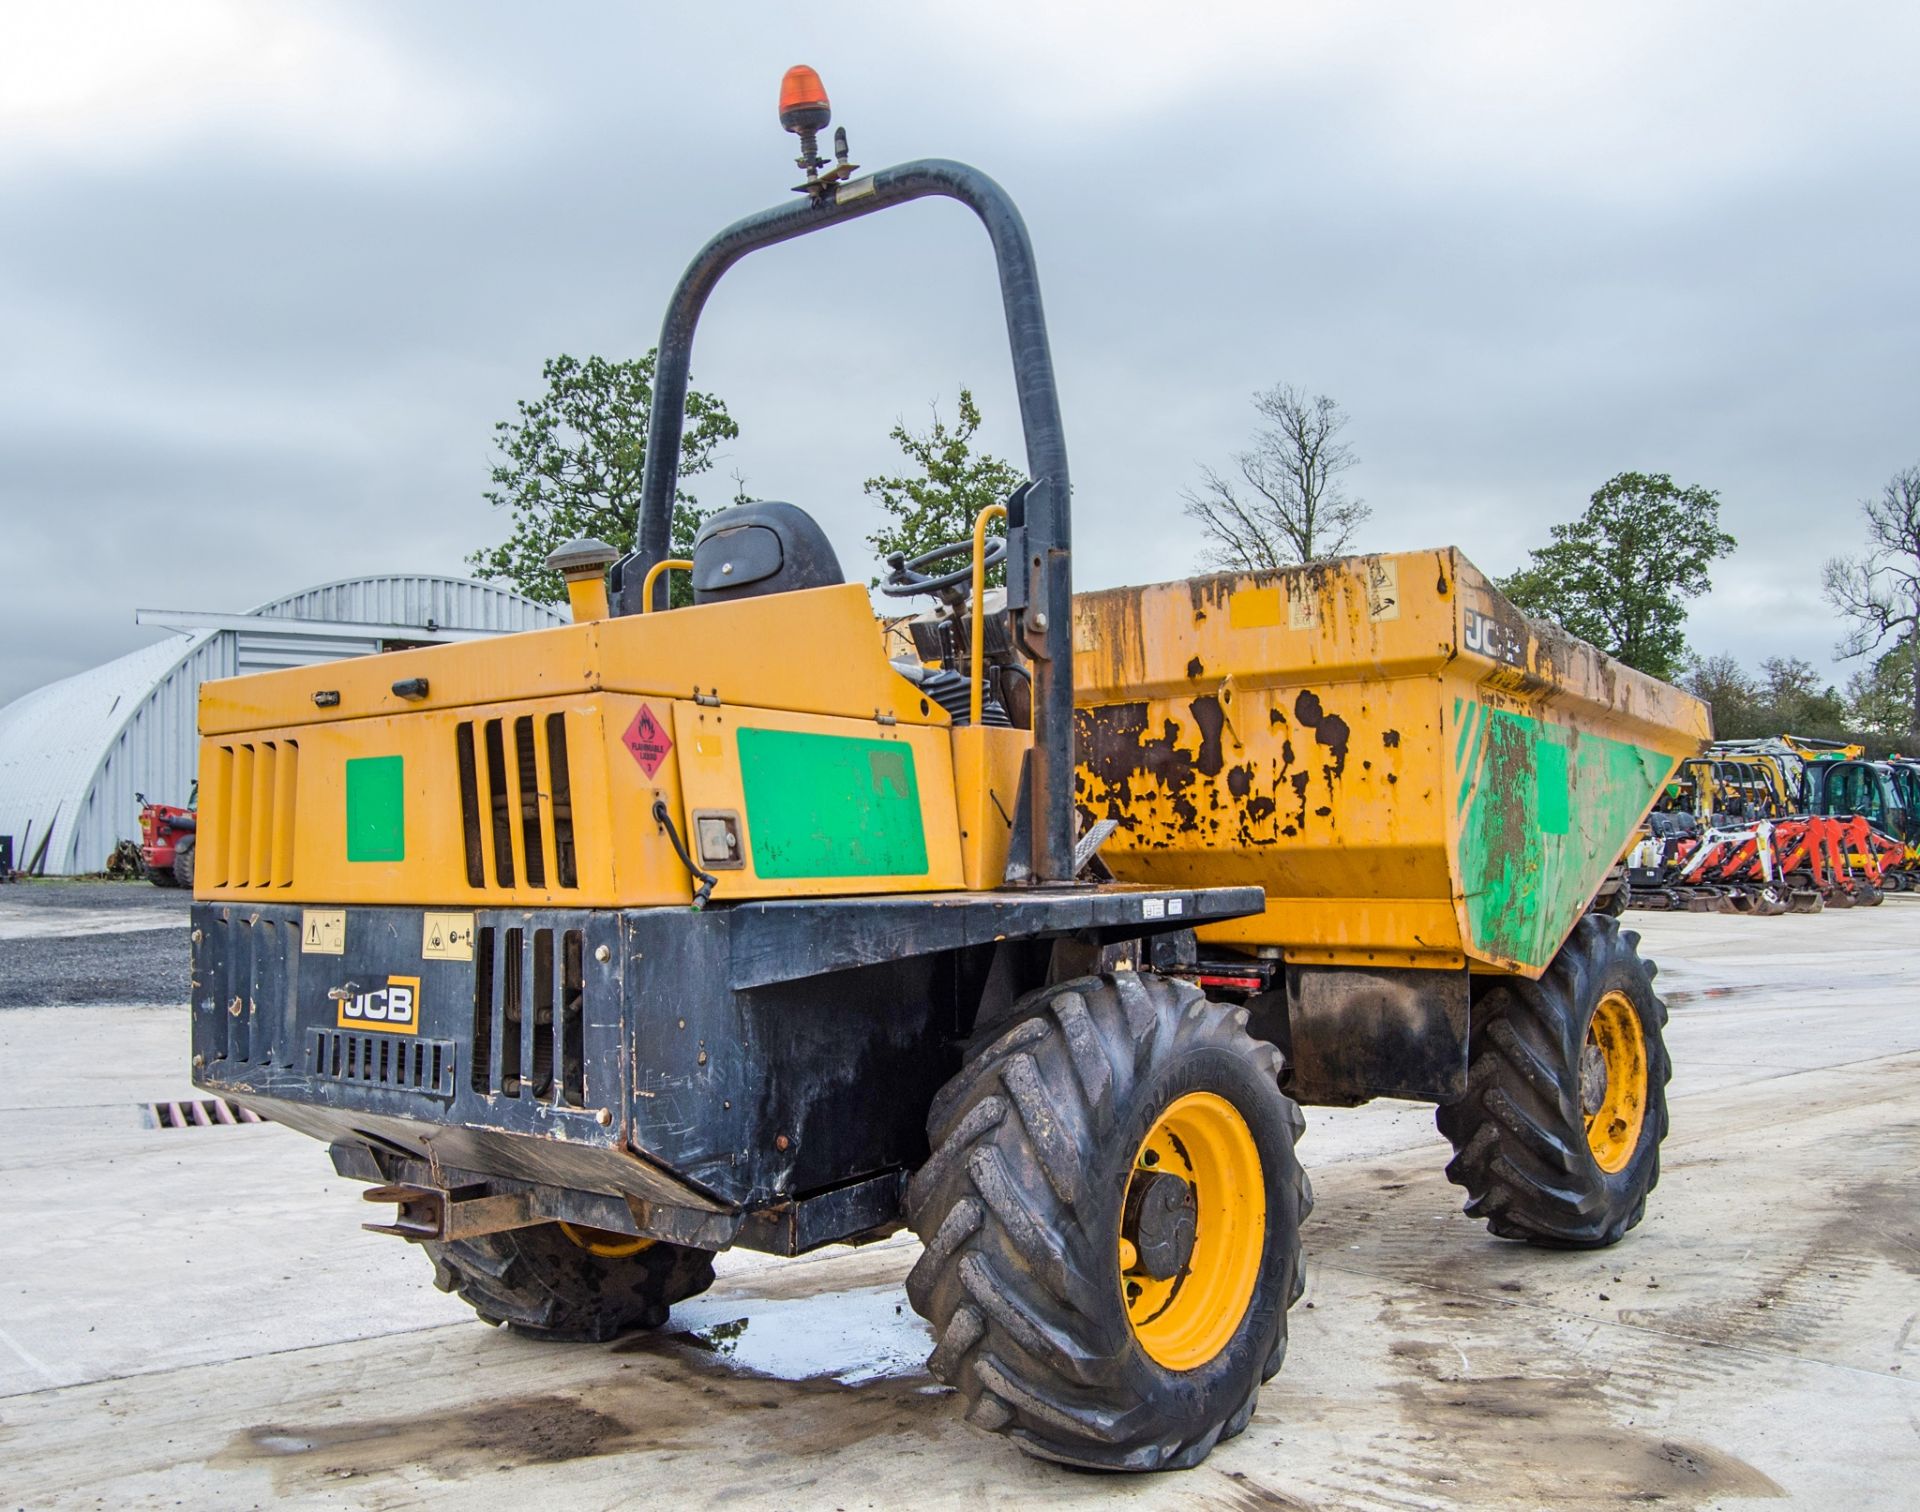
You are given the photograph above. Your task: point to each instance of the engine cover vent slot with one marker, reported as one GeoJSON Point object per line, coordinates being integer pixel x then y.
{"type": "Point", "coordinates": [516, 802]}
{"type": "Point", "coordinates": [247, 825]}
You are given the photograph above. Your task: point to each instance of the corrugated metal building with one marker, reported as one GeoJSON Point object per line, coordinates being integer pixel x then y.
{"type": "Point", "coordinates": [74, 753]}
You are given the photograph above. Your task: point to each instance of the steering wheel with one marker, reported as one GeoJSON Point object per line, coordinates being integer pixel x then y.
{"type": "Point", "coordinates": [909, 577]}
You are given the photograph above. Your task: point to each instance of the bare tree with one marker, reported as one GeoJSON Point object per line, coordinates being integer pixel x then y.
{"type": "Point", "coordinates": [1880, 591]}
{"type": "Point", "coordinates": [1286, 505]}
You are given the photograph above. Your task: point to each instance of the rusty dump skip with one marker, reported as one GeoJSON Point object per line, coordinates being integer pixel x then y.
{"type": "Point", "coordinates": [1416, 773]}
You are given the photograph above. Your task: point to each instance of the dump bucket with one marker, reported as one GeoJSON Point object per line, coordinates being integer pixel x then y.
{"type": "Point", "coordinates": [1415, 772]}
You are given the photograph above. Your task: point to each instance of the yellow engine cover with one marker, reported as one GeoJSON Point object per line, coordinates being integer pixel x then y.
{"type": "Point", "coordinates": [791, 757]}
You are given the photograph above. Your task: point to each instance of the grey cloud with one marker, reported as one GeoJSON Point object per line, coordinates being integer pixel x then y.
{"type": "Point", "coordinates": [273, 367]}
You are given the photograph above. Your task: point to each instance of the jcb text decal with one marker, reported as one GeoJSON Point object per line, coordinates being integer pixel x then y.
{"type": "Point", "coordinates": [1490, 637]}
{"type": "Point", "coordinates": [393, 1009]}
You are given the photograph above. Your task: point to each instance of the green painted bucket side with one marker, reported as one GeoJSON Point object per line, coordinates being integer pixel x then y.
{"type": "Point", "coordinates": [1543, 812]}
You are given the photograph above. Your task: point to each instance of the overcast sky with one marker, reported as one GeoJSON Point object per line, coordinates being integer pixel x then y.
{"type": "Point", "coordinates": [269, 273]}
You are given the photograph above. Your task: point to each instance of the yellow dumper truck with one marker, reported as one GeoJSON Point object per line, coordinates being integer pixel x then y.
{"type": "Point", "coordinates": [599, 949]}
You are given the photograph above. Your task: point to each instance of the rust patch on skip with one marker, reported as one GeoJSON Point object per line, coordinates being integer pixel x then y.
{"type": "Point", "coordinates": [1106, 634]}
{"type": "Point", "coordinates": [1162, 781]}
{"type": "Point", "coordinates": [1209, 720]}
{"type": "Point", "coordinates": [1115, 751]}
{"type": "Point", "coordinates": [1329, 730]}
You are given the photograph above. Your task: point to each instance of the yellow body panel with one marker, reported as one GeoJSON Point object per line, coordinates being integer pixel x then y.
{"type": "Point", "coordinates": [986, 772]}
{"type": "Point", "coordinates": [479, 813]}
{"type": "Point", "coordinates": [603, 780]}
{"type": "Point", "coordinates": [1396, 755]}
{"type": "Point", "coordinates": [814, 652]}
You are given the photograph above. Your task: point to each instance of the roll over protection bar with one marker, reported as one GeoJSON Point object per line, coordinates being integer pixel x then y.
{"type": "Point", "coordinates": [1039, 523]}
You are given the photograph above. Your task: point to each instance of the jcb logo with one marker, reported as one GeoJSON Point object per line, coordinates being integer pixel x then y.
{"type": "Point", "coordinates": [1489, 637]}
{"type": "Point", "coordinates": [393, 1009]}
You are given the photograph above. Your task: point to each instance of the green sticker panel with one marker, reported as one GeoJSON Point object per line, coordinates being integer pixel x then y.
{"type": "Point", "coordinates": [831, 806]}
{"type": "Point", "coordinates": [1545, 811]}
{"type": "Point", "coordinates": [377, 808]}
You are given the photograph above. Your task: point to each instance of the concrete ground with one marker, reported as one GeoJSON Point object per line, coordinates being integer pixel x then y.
{"type": "Point", "coordinates": [192, 1317]}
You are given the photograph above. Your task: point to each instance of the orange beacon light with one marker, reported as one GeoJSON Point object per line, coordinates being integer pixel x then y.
{"type": "Point", "coordinates": [804, 107]}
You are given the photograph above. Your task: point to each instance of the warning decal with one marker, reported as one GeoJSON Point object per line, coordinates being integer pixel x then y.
{"type": "Point", "coordinates": [647, 738]}
{"type": "Point", "coordinates": [323, 931]}
{"type": "Point", "coordinates": [447, 936]}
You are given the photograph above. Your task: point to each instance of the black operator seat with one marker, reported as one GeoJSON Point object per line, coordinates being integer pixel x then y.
{"type": "Point", "coordinates": [758, 548]}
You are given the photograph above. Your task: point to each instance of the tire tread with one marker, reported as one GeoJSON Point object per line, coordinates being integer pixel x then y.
{"type": "Point", "coordinates": [538, 1282]}
{"type": "Point", "coordinates": [1518, 1136]}
{"type": "Point", "coordinates": [1013, 1285]}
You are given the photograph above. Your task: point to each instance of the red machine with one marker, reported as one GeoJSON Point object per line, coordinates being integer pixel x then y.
{"type": "Point", "coordinates": [167, 838]}
{"type": "Point", "coordinates": [1798, 864]}
{"type": "Point", "coordinates": [1837, 857]}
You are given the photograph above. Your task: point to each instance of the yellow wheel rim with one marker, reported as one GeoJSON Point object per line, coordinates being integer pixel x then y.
{"type": "Point", "coordinates": [1183, 1319]}
{"type": "Point", "coordinates": [1613, 1082]}
{"type": "Point", "coordinates": [602, 1242]}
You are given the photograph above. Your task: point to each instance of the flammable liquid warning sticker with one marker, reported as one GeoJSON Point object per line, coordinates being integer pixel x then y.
{"type": "Point", "coordinates": [648, 740]}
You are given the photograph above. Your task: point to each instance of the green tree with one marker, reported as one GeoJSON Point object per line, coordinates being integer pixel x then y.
{"type": "Point", "coordinates": [1880, 591]}
{"type": "Point", "coordinates": [571, 464]}
{"type": "Point", "coordinates": [1787, 698]}
{"type": "Point", "coordinates": [1620, 576]}
{"type": "Point", "coordinates": [939, 502]}
{"type": "Point", "coordinates": [1796, 703]}
{"type": "Point", "coordinates": [1880, 700]}
{"type": "Point", "coordinates": [1722, 682]}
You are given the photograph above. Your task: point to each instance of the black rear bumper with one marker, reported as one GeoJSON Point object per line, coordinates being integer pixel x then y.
{"type": "Point", "coordinates": [735, 1060]}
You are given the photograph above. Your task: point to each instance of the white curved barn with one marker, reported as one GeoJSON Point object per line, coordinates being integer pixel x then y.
{"type": "Point", "coordinates": [74, 753]}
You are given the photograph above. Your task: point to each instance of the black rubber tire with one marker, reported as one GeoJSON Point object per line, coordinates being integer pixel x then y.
{"type": "Point", "coordinates": [538, 1282]}
{"type": "Point", "coordinates": [183, 864]}
{"type": "Point", "coordinates": [1019, 1208]}
{"type": "Point", "coordinates": [163, 877]}
{"type": "Point", "coordinates": [1519, 1139]}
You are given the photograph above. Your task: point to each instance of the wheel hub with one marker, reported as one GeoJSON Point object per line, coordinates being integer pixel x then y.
{"type": "Point", "coordinates": [1192, 1231]}
{"type": "Point", "coordinates": [604, 1243]}
{"type": "Point", "coordinates": [1613, 1082]}
{"type": "Point", "coordinates": [1159, 1223]}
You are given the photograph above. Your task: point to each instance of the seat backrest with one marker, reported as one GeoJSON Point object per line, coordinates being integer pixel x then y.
{"type": "Point", "coordinates": [759, 548]}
